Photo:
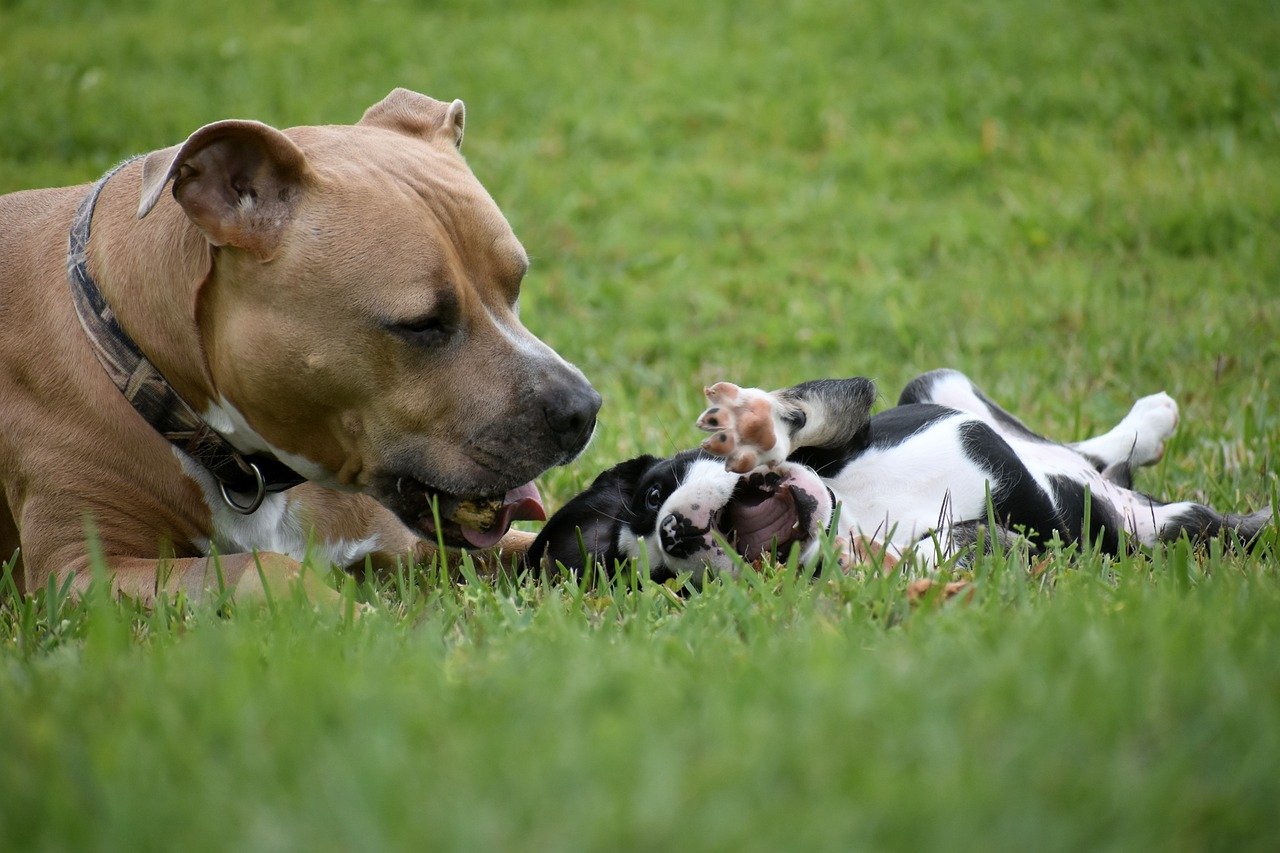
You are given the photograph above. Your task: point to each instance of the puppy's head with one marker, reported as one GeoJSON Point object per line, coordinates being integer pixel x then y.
{"type": "Point", "coordinates": [601, 525]}
{"type": "Point", "coordinates": [360, 315]}
{"type": "Point", "coordinates": [687, 514]}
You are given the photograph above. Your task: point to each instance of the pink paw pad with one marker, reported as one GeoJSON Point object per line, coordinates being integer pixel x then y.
{"type": "Point", "coordinates": [742, 423]}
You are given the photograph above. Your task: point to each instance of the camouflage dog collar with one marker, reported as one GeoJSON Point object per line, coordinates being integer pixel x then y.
{"type": "Point", "coordinates": [150, 393]}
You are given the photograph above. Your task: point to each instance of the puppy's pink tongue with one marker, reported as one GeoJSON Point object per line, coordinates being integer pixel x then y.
{"type": "Point", "coordinates": [523, 503]}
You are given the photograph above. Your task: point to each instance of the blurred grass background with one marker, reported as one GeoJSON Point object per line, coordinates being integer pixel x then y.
{"type": "Point", "coordinates": [1075, 203]}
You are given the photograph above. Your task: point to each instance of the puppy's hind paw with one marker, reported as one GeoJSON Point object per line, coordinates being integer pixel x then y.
{"type": "Point", "coordinates": [1151, 420]}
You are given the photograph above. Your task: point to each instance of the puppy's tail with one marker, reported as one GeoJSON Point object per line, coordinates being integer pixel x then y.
{"type": "Point", "coordinates": [1200, 523]}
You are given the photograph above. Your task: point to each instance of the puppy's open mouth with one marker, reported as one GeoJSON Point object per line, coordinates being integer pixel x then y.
{"type": "Point", "coordinates": [477, 522]}
{"type": "Point", "coordinates": [767, 514]}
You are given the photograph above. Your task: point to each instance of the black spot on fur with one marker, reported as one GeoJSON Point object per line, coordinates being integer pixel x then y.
{"type": "Point", "coordinates": [1017, 499]}
{"type": "Point", "coordinates": [806, 507]}
{"type": "Point", "coordinates": [1105, 523]}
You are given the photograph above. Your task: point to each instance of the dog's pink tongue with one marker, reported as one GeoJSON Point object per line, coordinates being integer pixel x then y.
{"type": "Point", "coordinates": [523, 503]}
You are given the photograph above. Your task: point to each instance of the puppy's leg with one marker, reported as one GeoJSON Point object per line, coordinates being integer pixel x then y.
{"type": "Point", "coordinates": [966, 540]}
{"type": "Point", "coordinates": [953, 389]}
{"type": "Point", "coordinates": [753, 428]}
{"type": "Point", "coordinates": [1150, 521]}
{"type": "Point", "coordinates": [1138, 439]}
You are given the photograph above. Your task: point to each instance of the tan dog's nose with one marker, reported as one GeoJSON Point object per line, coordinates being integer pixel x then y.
{"type": "Point", "coordinates": [570, 411]}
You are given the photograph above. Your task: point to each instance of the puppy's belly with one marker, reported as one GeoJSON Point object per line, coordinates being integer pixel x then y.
{"type": "Point", "coordinates": [900, 493]}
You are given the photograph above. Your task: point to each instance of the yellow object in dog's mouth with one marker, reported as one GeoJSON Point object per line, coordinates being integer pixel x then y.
{"type": "Point", "coordinates": [476, 522]}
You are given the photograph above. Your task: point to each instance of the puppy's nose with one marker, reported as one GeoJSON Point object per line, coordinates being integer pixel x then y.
{"type": "Point", "coordinates": [570, 411]}
{"type": "Point", "coordinates": [680, 537]}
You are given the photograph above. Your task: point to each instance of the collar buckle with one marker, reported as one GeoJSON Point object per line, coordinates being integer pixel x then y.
{"type": "Point", "coordinates": [259, 485]}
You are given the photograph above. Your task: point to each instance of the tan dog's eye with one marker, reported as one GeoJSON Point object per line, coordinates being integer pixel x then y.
{"type": "Point", "coordinates": [429, 331]}
{"type": "Point", "coordinates": [434, 326]}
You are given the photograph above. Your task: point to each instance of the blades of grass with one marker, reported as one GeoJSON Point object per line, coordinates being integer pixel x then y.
{"type": "Point", "coordinates": [442, 556]}
{"type": "Point", "coordinates": [223, 594]}
{"type": "Point", "coordinates": [467, 568]}
{"type": "Point", "coordinates": [268, 595]}
{"type": "Point", "coordinates": [23, 610]}
{"type": "Point", "coordinates": [349, 599]}
{"type": "Point", "coordinates": [1179, 563]}
{"type": "Point", "coordinates": [54, 601]}
{"type": "Point", "coordinates": [108, 630]}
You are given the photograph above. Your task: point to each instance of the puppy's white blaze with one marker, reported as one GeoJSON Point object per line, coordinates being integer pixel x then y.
{"type": "Point", "coordinates": [275, 526]}
{"type": "Point", "coordinates": [903, 492]}
{"type": "Point", "coordinates": [227, 421]}
{"type": "Point", "coordinates": [707, 487]}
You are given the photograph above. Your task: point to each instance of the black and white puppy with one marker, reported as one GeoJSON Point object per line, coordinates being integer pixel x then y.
{"type": "Point", "coordinates": [915, 481]}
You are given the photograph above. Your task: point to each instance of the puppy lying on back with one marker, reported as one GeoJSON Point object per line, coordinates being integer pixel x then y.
{"type": "Point", "coordinates": [782, 468]}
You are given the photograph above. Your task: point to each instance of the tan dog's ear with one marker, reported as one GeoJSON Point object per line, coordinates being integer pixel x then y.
{"type": "Point", "coordinates": [238, 181]}
{"type": "Point", "coordinates": [417, 115]}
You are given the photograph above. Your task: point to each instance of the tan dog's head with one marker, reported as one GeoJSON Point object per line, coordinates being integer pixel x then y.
{"type": "Point", "coordinates": [360, 319]}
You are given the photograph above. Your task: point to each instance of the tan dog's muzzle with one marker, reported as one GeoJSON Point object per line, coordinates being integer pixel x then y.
{"type": "Point", "coordinates": [550, 426]}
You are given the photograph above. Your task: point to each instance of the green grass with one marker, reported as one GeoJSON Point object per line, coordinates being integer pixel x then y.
{"type": "Point", "coordinates": [1077, 204]}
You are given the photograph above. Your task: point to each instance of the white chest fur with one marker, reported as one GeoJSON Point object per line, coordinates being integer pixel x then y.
{"type": "Point", "coordinates": [276, 526]}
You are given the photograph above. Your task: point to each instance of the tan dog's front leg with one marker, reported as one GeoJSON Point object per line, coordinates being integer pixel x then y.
{"type": "Point", "coordinates": [249, 577]}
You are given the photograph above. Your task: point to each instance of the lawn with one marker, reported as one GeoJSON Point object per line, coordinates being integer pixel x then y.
{"type": "Point", "coordinates": [1077, 204]}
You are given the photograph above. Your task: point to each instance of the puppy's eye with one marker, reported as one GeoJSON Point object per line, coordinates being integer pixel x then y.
{"type": "Point", "coordinates": [653, 498]}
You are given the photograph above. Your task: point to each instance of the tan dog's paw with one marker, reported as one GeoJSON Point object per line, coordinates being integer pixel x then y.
{"type": "Point", "coordinates": [746, 428]}
{"type": "Point", "coordinates": [272, 576]}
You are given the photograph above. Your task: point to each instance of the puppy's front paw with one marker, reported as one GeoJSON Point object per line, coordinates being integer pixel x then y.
{"type": "Point", "coordinates": [857, 551]}
{"type": "Point", "coordinates": [920, 588]}
{"type": "Point", "coordinates": [746, 428]}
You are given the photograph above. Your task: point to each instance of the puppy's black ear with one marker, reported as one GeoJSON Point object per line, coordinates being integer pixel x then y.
{"type": "Point", "coordinates": [584, 532]}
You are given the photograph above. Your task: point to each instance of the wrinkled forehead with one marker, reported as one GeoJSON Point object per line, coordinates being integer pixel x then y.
{"type": "Point", "coordinates": [390, 179]}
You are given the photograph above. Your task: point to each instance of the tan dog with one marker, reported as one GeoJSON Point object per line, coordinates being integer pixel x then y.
{"type": "Point", "coordinates": [335, 304]}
